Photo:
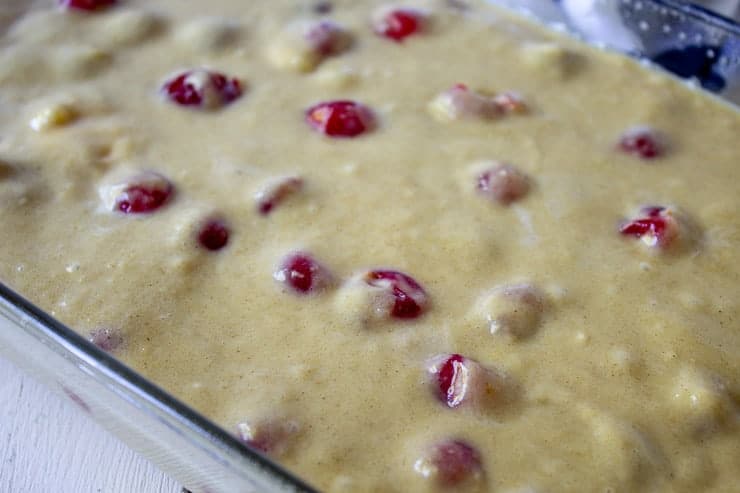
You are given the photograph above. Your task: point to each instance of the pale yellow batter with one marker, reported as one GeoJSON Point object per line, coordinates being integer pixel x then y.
{"type": "Point", "coordinates": [595, 360]}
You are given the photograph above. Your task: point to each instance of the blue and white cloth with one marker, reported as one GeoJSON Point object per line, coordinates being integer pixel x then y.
{"type": "Point", "coordinates": [673, 34]}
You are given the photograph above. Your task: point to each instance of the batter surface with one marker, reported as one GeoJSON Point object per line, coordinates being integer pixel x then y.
{"type": "Point", "coordinates": [416, 247]}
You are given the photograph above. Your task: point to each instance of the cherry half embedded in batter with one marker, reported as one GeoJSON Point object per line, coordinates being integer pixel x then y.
{"type": "Point", "coordinates": [457, 381]}
{"type": "Point", "coordinates": [273, 436]}
{"type": "Point", "coordinates": [398, 24]}
{"type": "Point", "coordinates": [302, 273]}
{"type": "Point", "coordinates": [460, 102]}
{"type": "Point", "coordinates": [642, 142]}
{"type": "Point", "coordinates": [409, 296]}
{"type": "Point", "coordinates": [89, 5]}
{"type": "Point", "coordinates": [213, 235]}
{"type": "Point", "coordinates": [448, 372]}
{"type": "Point", "coordinates": [340, 119]}
{"type": "Point", "coordinates": [328, 38]}
{"type": "Point", "coordinates": [106, 339]}
{"type": "Point", "coordinates": [202, 88]}
{"type": "Point", "coordinates": [513, 310]}
{"type": "Point", "coordinates": [655, 226]}
{"type": "Point", "coordinates": [502, 183]}
{"type": "Point", "coordinates": [451, 463]}
{"type": "Point", "coordinates": [144, 194]}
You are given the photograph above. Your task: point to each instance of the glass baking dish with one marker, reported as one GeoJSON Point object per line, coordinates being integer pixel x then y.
{"type": "Point", "coordinates": [691, 41]}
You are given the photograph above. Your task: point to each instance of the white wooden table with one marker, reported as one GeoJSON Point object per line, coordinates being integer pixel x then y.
{"type": "Point", "coordinates": [48, 445]}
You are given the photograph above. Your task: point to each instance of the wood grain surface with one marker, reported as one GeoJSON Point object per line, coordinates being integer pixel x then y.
{"type": "Point", "coordinates": [47, 445]}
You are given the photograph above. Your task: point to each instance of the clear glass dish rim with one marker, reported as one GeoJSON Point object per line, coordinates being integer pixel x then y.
{"type": "Point", "coordinates": [67, 340]}
{"type": "Point", "coordinates": [699, 13]}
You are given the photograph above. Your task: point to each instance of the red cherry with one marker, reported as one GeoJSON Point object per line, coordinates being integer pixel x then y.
{"type": "Point", "coordinates": [459, 381]}
{"type": "Point", "coordinates": [446, 377]}
{"type": "Point", "coordinates": [89, 5]}
{"type": "Point", "coordinates": [642, 142]}
{"type": "Point", "coordinates": [340, 118]}
{"type": "Point", "coordinates": [213, 235]}
{"type": "Point", "coordinates": [202, 88]}
{"type": "Point", "coordinates": [141, 200]}
{"type": "Point", "coordinates": [409, 296]}
{"type": "Point", "coordinates": [144, 194]}
{"type": "Point", "coordinates": [451, 463]}
{"type": "Point", "coordinates": [302, 273]}
{"type": "Point", "coordinates": [399, 24]}
{"type": "Point", "coordinates": [656, 226]}
{"type": "Point", "coordinates": [641, 227]}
